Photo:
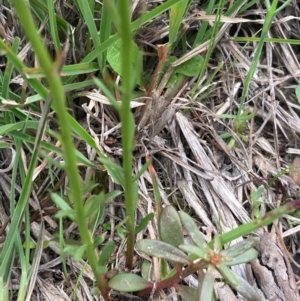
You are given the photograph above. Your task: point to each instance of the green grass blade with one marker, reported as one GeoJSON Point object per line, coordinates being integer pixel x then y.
{"type": "Point", "coordinates": [86, 12]}
{"type": "Point", "coordinates": [176, 16]}
{"type": "Point", "coordinates": [53, 25]}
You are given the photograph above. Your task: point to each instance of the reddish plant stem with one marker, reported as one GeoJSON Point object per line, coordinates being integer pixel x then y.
{"type": "Point", "coordinates": [191, 269]}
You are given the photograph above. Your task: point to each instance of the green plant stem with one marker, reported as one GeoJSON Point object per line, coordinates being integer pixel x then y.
{"type": "Point", "coordinates": [127, 126]}
{"type": "Point", "coordinates": [56, 88]}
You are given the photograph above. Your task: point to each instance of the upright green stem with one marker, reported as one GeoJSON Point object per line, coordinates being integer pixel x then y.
{"type": "Point", "coordinates": [127, 125]}
{"type": "Point", "coordinates": [59, 105]}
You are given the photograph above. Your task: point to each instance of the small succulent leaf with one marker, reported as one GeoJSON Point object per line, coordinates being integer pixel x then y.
{"type": "Point", "coordinates": [106, 253]}
{"type": "Point", "coordinates": [170, 227]}
{"type": "Point", "coordinates": [144, 222]}
{"type": "Point", "coordinates": [161, 249]}
{"type": "Point", "coordinates": [128, 283]}
{"type": "Point", "coordinates": [146, 270]}
{"type": "Point", "coordinates": [227, 273]}
{"type": "Point", "coordinates": [240, 247]}
{"type": "Point", "coordinates": [249, 292]}
{"type": "Point", "coordinates": [200, 252]}
{"type": "Point", "coordinates": [192, 229]}
{"type": "Point", "coordinates": [217, 244]}
{"type": "Point", "coordinates": [187, 293]}
{"type": "Point", "coordinates": [207, 287]}
{"type": "Point", "coordinates": [191, 67]}
{"type": "Point", "coordinates": [243, 258]}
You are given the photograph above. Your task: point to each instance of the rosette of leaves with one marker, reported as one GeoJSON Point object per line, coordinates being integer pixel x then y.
{"type": "Point", "coordinates": [200, 257]}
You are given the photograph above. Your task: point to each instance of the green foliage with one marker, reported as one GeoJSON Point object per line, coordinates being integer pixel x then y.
{"type": "Point", "coordinates": [128, 283]}
{"type": "Point", "coordinates": [257, 199]}
{"type": "Point", "coordinates": [189, 68]}
{"type": "Point", "coordinates": [108, 44]}
{"type": "Point", "coordinates": [135, 60]}
{"type": "Point", "coordinates": [211, 256]}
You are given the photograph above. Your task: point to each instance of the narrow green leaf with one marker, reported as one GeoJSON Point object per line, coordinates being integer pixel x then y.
{"type": "Point", "coordinates": [161, 249]}
{"type": "Point", "coordinates": [5, 129]}
{"type": "Point", "coordinates": [144, 222]}
{"type": "Point", "coordinates": [114, 170]}
{"type": "Point", "coordinates": [176, 15]}
{"type": "Point", "coordinates": [143, 169]}
{"type": "Point", "coordinates": [66, 210]}
{"type": "Point", "coordinates": [129, 283]}
{"type": "Point", "coordinates": [106, 253]}
{"type": "Point", "coordinates": [170, 227]}
{"type": "Point", "coordinates": [53, 25]}
{"type": "Point", "coordinates": [87, 14]}
{"type": "Point", "coordinates": [76, 251]}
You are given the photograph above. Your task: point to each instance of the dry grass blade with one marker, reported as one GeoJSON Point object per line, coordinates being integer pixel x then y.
{"type": "Point", "coordinates": [218, 184]}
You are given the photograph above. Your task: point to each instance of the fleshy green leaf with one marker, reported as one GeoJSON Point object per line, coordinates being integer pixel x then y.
{"type": "Point", "coordinates": [170, 227]}
{"type": "Point", "coordinates": [243, 258]}
{"type": "Point", "coordinates": [227, 273]}
{"type": "Point", "coordinates": [217, 243]}
{"type": "Point", "coordinates": [192, 229]}
{"type": "Point", "coordinates": [128, 283]}
{"type": "Point", "coordinates": [161, 249]}
{"type": "Point", "coordinates": [240, 247]}
{"type": "Point", "coordinates": [201, 253]}
{"type": "Point", "coordinates": [207, 287]}
{"type": "Point", "coordinates": [146, 270]}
